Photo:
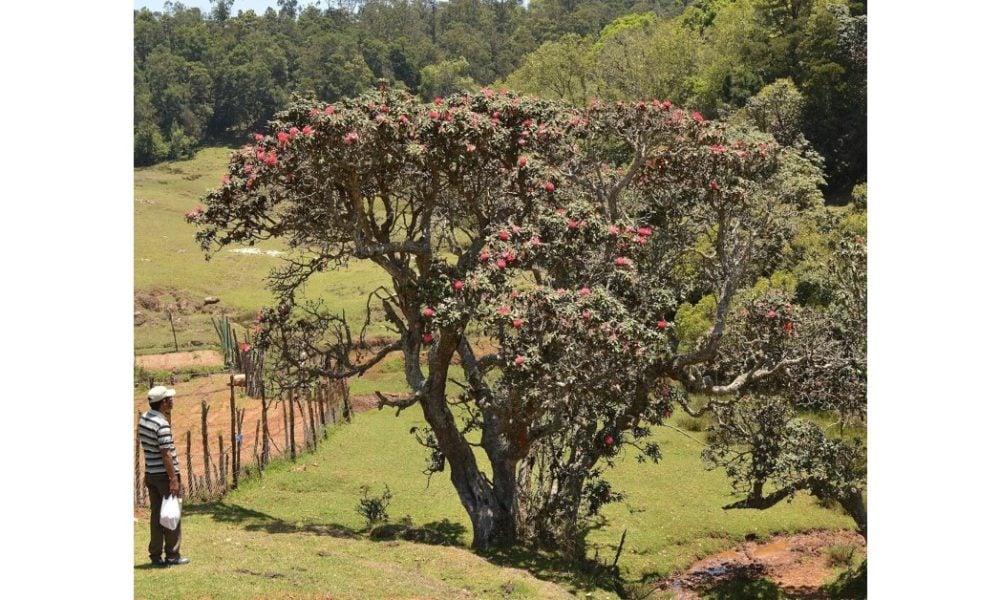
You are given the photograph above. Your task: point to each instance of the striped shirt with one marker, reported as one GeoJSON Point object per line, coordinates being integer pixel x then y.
{"type": "Point", "coordinates": [154, 434]}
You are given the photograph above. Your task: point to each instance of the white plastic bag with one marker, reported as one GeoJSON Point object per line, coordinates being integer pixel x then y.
{"type": "Point", "coordinates": [170, 512]}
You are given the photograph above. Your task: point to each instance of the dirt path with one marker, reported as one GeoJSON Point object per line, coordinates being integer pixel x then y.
{"type": "Point", "coordinates": [798, 564]}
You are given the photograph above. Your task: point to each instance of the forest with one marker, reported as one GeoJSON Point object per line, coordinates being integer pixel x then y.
{"type": "Point", "coordinates": [796, 69]}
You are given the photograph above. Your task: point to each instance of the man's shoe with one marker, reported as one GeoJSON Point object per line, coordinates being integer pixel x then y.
{"type": "Point", "coordinates": [181, 560]}
{"type": "Point", "coordinates": [157, 562]}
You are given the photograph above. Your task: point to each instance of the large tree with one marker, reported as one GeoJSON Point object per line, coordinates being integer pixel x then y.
{"type": "Point", "coordinates": [540, 253]}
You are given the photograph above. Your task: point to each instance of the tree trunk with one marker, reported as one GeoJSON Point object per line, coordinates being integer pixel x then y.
{"type": "Point", "coordinates": [492, 520]}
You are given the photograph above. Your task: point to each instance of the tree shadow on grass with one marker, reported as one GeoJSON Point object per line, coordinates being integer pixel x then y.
{"type": "Point", "coordinates": [547, 566]}
{"type": "Point", "coordinates": [571, 575]}
{"type": "Point", "coordinates": [436, 533]}
{"type": "Point", "coordinates": [253, 520]}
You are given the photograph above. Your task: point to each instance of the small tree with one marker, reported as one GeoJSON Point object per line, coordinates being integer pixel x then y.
{"type": "Point", "coordinates": [566, 238]}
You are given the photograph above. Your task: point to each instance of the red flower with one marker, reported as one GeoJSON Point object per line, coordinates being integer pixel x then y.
{"type": "Point", "coordinates": [661, 324]}
{"type": "Point", "coordinates": [535, 241]}
{"type": "Point", "coordinates": [503, 310]}
{"type": "Point", "coordinates": [518, 323]}
{"type": "Point", "coordinates": [260, 155]}
{"type": "Point", "coordinates": [427, 312]}
{"type": "Point", "coordinates": [621, 261]}
{"type": "Point", "coordinates": [328, 110]}
{"type": "Point", "coordinates": [504, 236]}
{"type": "Point", "coordinates": [308, 130]}
{"type": "Point", "coordinates": [612, 230]}
{"type": "Point", "coordinates": [645, 231]}
{"type": "Point", "coordinates": [550, 187]}
{"type": "Point", "coordinates": [788, 327]}
{"type": "Point", "coordinates": [438, 100]}
{"type": "Point", "coordinates": [516, 229]}
{"type": "Point", "coordinates": [282, 137]}
{"type": "Point", "coordinates": [585, 314]}
{"type": "Point", "coordinates": [501, 264]}
{"type": "Point", "coordinates": [294, 131]}
{"type": "Point", "coordinates": [458, 285]}
{"type": "Point", "coordinates": [470, 148]}
{"type": "Point", "coordinates": [488, 92]}
{"type": "Point", "coordinates": [584, 291]}
{"type": "Point", "coordinates": [522, 161]}
{"type": "Point", "coordinates": [496, 115]}
{"type": "Point", "coordinates": [713, 185]}
{"type": "Point", "coordinates": [427, 338]}
{"type": "Point", "coordinates": [434, 115]}
{"type": "Point", "coordinates": [697, 116]}
{"type": "Point", "coordinates": [717, 149]}
{"type": "Point", "coordinates": [609, 440]}
{"type": "Point", "coordinates": [771, 314]}
{"type": "Point", "coordinates": [484, 256]}
{"type": "Point", "coordinates": [244, 347]}
{"type": "Point", "coordinates": [572, 224]}
{"type": "Point", "coordinates": [350, 138]}
{"type": "Point", "coordinates": [313, 112]}
{"type": "Point", "coordinates": [258, 137]}
{"type": "Point", "coordinates": [404, 119]}
{"type": "Point", "coordinates": [519, 360]}
{"type": "Point", "coordinates": [271, 160]}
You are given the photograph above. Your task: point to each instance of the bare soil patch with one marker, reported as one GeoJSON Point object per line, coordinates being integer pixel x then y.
{"type": "Point", "coordinates": [180, 360]}
{"type": "Point", "coordinates": [797, 564]}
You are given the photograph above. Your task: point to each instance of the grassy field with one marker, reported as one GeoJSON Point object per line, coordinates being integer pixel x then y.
{"type": "Point", "coordinates": [294, 532]}
{"type": "Point", "coordinates": [168, 260]}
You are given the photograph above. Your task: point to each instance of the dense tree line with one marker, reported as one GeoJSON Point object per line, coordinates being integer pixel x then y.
{"type": "Point", "coordinates": [215, 77]}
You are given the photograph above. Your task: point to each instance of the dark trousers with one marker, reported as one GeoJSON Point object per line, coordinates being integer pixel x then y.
{"type": "Point", "coordinates": [161, 539]}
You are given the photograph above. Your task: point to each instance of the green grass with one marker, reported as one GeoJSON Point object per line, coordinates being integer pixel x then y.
{"type": "Point", "coordinates": [168, 258]}
{"type": "Point", "coordinates": [296, 530]}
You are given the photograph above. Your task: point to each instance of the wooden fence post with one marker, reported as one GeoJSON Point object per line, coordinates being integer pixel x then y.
{"type": "Point", "coordinates": [264, 453]}
{"type": "Point", "coordinates": [284, 421]}
{"type": "Point", "coordinates": [189, 469]}
{"type": "Point", "coordinates": [240, 415]}
{"type": "Point", "coordinates": [321, 409]}
{"type": "Point", "coordinates": [302, 413]}
{"type": "Point", "coordinates": [291, 422]}
{"type": "Point", "coordinates": [310, 401]}
{"type": "Point", "coordinates": [256, 438]}
{"type": "Point", "coordinates": [138, 468]}
{"type": "Point", "coordinates": [222, 464]}
{"type": "Point", "coordinates": [347, 401]}
{"type": "Point", "coordinates": [204, 446]}
{"type": "Point", "coordinates": [232, 430]}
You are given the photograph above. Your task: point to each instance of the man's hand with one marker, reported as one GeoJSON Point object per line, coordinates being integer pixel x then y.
{"type": "Point", "coordinates": [175, 487]}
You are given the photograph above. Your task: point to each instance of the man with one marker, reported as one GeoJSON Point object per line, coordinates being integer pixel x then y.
{"type": "Point", "coordinates": [162, 475]}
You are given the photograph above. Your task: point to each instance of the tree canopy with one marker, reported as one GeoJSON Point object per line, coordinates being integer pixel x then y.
{"type": "Point", "coordinates": [548, 255]}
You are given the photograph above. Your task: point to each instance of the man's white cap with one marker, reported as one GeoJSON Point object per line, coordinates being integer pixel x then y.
{"type": "Point", "coordinates": [159, 393]}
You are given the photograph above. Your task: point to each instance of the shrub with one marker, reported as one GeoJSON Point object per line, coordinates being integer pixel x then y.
{"type": "Point", "coordinates": [374, 509]}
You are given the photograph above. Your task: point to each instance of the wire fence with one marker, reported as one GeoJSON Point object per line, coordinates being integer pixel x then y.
{"type": "Point", "coordinates": [214, 460]}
